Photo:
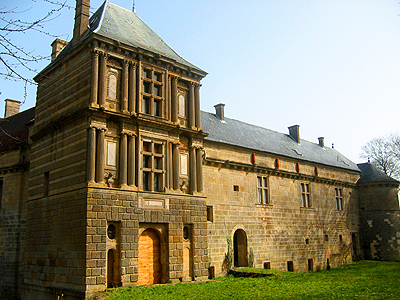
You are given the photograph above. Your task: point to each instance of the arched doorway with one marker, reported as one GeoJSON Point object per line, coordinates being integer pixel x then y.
{"type": "Point", "coordinates": [240, 248]}
{"type": "Point", "coordinates": [149, 257]}
{"type": "Point", "coordinates": [110, 268]}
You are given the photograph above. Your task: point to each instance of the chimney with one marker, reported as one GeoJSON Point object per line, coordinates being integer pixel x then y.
{"type": "Point", "coordinates": [81, 19]}
{"type": "Point", "coordinates": [57, 46]}
{"type": "Point", "coordinates": [12, 108]}
{"type": "Point", "coordinates": [294, 132]}
{"type": "Point", "coordinates": [219, 111]}
{"type": "Point", "coordinates": [321, 142]}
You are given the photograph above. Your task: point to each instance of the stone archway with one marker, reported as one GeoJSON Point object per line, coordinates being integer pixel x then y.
{"type": "Point", "coordinates": [240, 248]}
{"type": "Point", "coordinates": [110, 268]}
{"type": "Point", "coordinates": [150, 268]}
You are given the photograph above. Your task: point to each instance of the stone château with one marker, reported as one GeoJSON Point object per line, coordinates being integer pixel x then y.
{"type": "Point", "coordinates": [117, 178]}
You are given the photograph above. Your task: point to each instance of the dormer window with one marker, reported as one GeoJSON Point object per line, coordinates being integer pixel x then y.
{"type": "Point", "coordinates": [152, 92]}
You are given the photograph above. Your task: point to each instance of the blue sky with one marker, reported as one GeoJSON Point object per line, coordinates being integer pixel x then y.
{"type": "Point", "coordinates": [332, 67]}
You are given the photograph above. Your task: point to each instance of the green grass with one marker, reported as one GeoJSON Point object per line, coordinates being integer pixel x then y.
{"type": "Point", "coordinates": [359, 280]}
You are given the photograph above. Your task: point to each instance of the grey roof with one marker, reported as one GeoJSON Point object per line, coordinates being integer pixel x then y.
{"type": "Point", "coordinates": [371, 174]}
{"type": "Point", "coordinates": [122, 25]}
{"type": "Point", "coordinates": [125, 26]}
{"type": "Point", "coordinates": [237, 133]}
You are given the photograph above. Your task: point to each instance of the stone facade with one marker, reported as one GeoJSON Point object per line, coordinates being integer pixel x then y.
{"type": "Point", "coordinates": [281, 229]}
{"type": "Point", "coordinates": [119, 184]}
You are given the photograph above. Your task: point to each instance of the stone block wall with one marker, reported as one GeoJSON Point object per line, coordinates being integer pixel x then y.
{"type": "Point", "coordinates": [379, 221]}
{"type": "Point", "coordinates": [12, 229]}
{"type": "Point", "coordinates": [135, 212]}
{"type": "Point", "coordinates": [282, 230]}
{"type": "Point", "coordinates": [55, 255]}
{"type": "Point", "coordinates": [63, 88]}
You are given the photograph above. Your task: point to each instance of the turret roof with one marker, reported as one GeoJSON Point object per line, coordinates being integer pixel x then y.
{"type": "Point", "coordinates": [371, 174]}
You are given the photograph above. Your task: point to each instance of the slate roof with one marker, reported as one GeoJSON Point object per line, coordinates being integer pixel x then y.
{"type": "Point", "coordinates": [13, 130]}
{"type": "Point", "coordinates": [371, 174]}
{"type": "Point", "coordinates": [237, 133]}
{"type": "Point", "coordinates": [122, 25]}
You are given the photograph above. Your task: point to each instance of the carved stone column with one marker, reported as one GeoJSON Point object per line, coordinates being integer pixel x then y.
{"type": "Point", "coordinates": [197, 106]}
{"type": "Point", "coordinates": [91, 154]}
{"type": "Point", "coordinates": [174, 99]}
{"type": "Point", "coordinates": [191, 117]}
{"type": "Point", "coordinates": [123, 161]}
{"type": "Point", "coordinates": [95, 78]}
{"type": "Point", "coordinates": [132, 88]}
{"type": "Point", "coordinates": [103, 80]}
{"type": "Point", "coordinates": [101, 155]}
{"type": "Point", "coordinates": [193, 173]}
{"type": "Point", "coordinates": [199, 170]}
{"type": "Point", "coordinates": [175, 163]}
{"type": "Point", "coordinates": [131, 160]}
{"type": "Point", "coordinates": [124, 88]}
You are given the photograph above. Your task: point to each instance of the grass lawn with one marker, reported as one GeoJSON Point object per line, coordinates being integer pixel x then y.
{"type": "Point", "coordinates": [359, 280]}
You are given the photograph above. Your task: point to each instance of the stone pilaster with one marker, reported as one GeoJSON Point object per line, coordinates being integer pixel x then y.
{"type": "Point", "coordinates": [101, 155]}
{"type": "Point", "coordinates": [103, 80]}
{"type": "Point", "coordinates": [131, 160]}
{"type": "Point", "coordinates": [91, 154]}
{"type": "Point", "coordinates": [175, 163]}
{"type": "Point", "coordinates": [174, 99]}
{"type": "Point", "coordinates": [197, 106]}
{"type": "Point", "coordinates": [191, 117]}
{"type": "Point", "coordinates": [132, 88]}
{"type": "Point", "coordinates": [95, 79]}
{"type": "Point", "coordinates": [123, 160]}
{"type": "Point", "coordinates": [192, 167]}
{"type": "Point", "coordinates": [199, 171]}
{"type": "Point", "coordinates": [124, 88]}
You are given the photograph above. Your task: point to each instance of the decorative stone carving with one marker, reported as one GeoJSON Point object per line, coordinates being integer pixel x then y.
{"type": "Point", "coordinates": [184, 185]}
{"type": "Point", "coordinates": [110, 178]}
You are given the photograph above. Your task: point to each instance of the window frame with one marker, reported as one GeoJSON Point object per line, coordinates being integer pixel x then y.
{"type": "Point", "coordinates": [153, 95]}
{"type": "Point", "coordinates": [339, 198]}
{"type": "Point", "coordinates": [152, 174]}
{"type": "Point", "coordinates": [263, 196]}
{"type": "Point", "coordinates": [305, 195]}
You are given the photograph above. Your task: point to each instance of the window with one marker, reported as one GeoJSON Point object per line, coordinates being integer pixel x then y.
{"type": "Point", "coordinates": [1, 192]}
{"type": "Point", "coordinates": [46, 183]}
{"type": "Point", "coordinates": [305, 195]}
{"type": "Point", "coordinates": [262, 188]}
{"type": "Point", "coordinates": [153, 166]}
{"type": "Point", "coordinates": [210, 214]}
{"type": "Point", "coordinates": [290, 266]}
{"type": "Point", "coordinates": [310, 265]}
{"type": "Point", "coordinates": [236, 188]}
{"type": "Point", "coordinates": [339, 198]}
{"type": "Point", "coordinates": [152, 92]}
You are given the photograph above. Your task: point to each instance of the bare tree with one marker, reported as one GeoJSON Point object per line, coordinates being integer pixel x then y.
{"type": "Point", "coordinates": [16, 59]}
{"type": "Point", "coordinates": [384, 153]}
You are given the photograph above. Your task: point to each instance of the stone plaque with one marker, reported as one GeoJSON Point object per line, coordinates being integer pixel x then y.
{"type": "Point", "coordinates": [112, 86]}
{"type": "Point", "coordinates": [111, 154]}
{"type": "Point", "coordinates": [184, 162]}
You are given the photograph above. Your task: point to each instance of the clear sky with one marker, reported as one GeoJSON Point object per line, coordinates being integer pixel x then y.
{"type": "Point", "coordinates": [332, 67]}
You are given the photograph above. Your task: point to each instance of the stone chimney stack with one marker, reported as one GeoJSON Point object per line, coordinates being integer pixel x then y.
{"type": "Point", "coordinates": [321, 142]}
{"type": "Point", "coordinates": [12, 108]}
{"type": "Point", "coordinates": [219, 111]}
{"type": "Point", "coordinates": [81, 19]}
{"type": "Point", "coordinates": [57, 46]}
{"type": "Point", "coordinates": [294, 132]}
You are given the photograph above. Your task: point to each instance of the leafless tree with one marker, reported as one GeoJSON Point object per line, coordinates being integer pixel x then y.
{"type": "Point", "coordinates": [16, 59]}
{"type": "Point", "coordinates": [384, 153]}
